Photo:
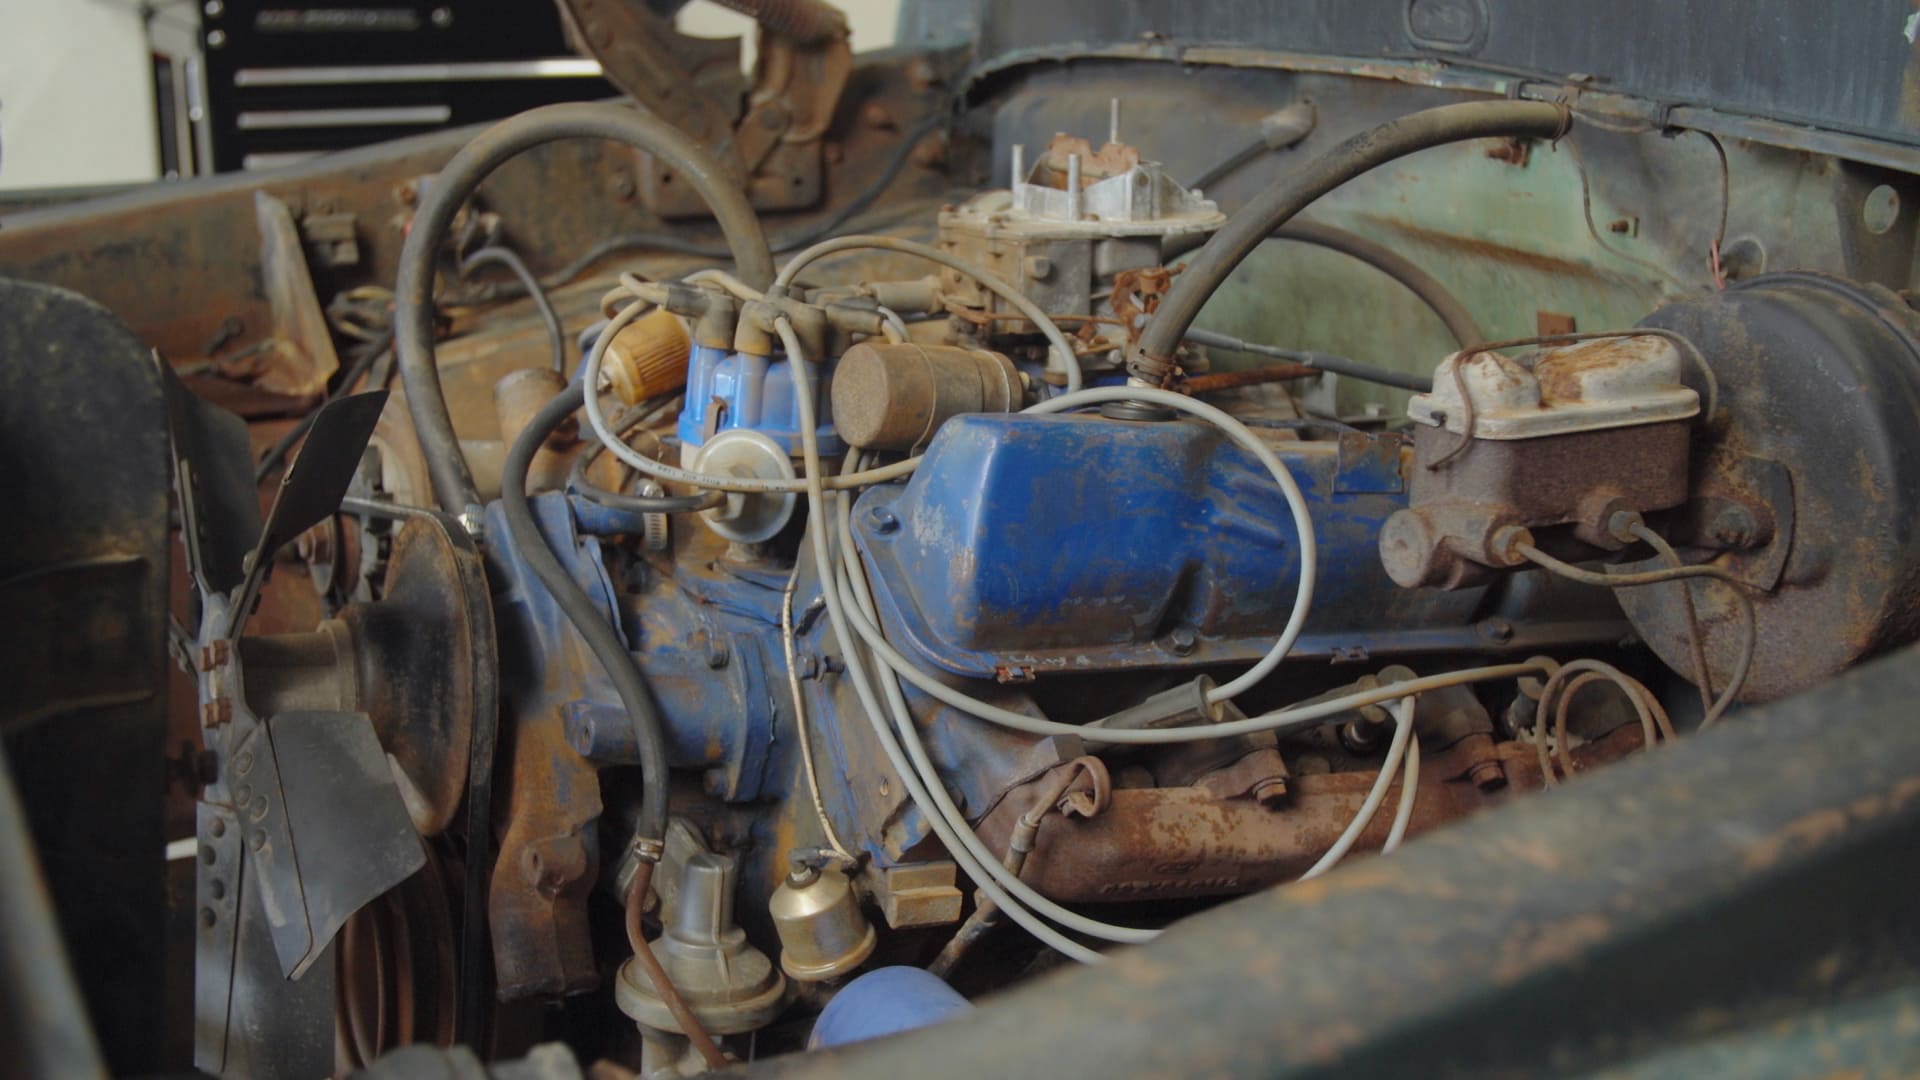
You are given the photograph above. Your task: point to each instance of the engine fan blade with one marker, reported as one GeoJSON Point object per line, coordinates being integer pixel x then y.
{"type": "Point", "coordinates": [352, 838]}
{"type": "Point", "coordinates": [327, 829]}
{"type": "Point", "coordinates": [313, 485]}
{"type": "Point", "coordinates": [213, 481]}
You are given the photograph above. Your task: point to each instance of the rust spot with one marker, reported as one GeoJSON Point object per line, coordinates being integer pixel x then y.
{"type": "Point", "coordinates": [1537, 948]}
{"type": "Point", "coordinates": [1111, 160]}
{"type": "Point", "coordinates": [1823, 826]}
{"type": "Point", "coordinates": [1563, 371]}
{"type": "Point", "coordinates": [1806, 832]}
{"type": "Point", "coordinates": [1553, 322]}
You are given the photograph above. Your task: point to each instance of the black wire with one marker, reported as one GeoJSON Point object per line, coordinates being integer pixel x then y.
{"type": "Point", "coordinates": [505, 256]}
{"type": "Point", "coordinates": [579, 484]}
{"type": "Point", "coordinates": [1339, 365]}
{"type": "Point", "coordinates": [1229, 165]}
{"type": "Point", "coordinates": [361, 365]}
{"type": "Point", "coordinates": [682, 246]}
{"type": "Point", "coordinates": [1444, 305]}
{"type": "Point", "coordinates": [588, 620]}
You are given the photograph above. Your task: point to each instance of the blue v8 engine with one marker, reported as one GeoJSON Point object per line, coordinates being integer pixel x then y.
{"type": "Point", "coordinates": [967, 604]}
{"type": "Point", "coordinates": [829, 620]}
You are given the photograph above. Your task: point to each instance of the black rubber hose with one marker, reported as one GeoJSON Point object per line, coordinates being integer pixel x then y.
{"type": "Point", "coordinates": [587, 618]}
{"type": "Point", "coordinates": [453, 484]}
{"type": "Point", "coordinates": [502, 256]}
{"type": "Point", "coordinates": [578, 483]}
{"type": "Point", "coordinates": [1339, 365]}
{"type": "Point", "coordinates": [1229, 165]}
{"type": "Point", "coordinates": [1448, 307]}
{"type": "Point", "coordinates": [1152, 357]}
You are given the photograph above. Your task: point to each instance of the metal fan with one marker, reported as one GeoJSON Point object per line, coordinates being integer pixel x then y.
{"type": "Point", "coordinates": [336, 749]}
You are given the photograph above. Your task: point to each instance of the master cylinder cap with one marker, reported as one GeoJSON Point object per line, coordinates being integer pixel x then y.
{"type": "Point", "coordinates": [893, 396]}
{"type": "Point", "coordinates": [823, 934]}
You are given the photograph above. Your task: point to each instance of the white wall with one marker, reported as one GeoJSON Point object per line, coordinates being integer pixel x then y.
{"type": "Point", "coordinates": [872, 22]}
{"type": "Point", "coordinates": [76, 93]}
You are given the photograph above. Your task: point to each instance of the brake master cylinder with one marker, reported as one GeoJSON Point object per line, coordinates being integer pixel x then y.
{"type": "Point", "coordinates": [1542, 449]}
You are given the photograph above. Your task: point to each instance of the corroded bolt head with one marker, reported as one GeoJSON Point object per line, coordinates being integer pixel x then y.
{"type": "Point", "coordinates": [1183, 639]}
{"type": "Point", "coordinates": [217, 712]}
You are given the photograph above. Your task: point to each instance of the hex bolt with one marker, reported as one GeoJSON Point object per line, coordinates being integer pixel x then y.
{"type": "Point", "coordinates": [442, 17]}
{"type": "Point", "coordinates": [216, 712]}
{"type": "Point", "coordinates": [216, 38]}
{"type": "Point", "coordinates": [1734, 526]}
{"type": "Point", "coordinates": [1039, 267]}
{"type": "Point", "coordinates": [1496, 630]}
{"type": "Point", "coordinates": [885, 521]}
{"type": "Point", "coordinates": [1183, 640]}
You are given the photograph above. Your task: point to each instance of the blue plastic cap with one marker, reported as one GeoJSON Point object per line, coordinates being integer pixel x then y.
{"type": "Point", "coordinates": [885, 1001]}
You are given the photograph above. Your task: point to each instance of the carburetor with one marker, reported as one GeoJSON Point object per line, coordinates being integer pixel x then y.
{"type": "Point", "coordinates": [1083, 233]}
{"type": "Point", "coordinates": [1540, 449]}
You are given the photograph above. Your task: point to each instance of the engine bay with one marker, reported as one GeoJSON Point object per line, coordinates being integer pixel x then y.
{"type": "Point", "coordinates": [744, 638]}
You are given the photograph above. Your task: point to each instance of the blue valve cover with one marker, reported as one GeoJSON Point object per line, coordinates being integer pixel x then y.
{"type": "Point", "coordinates": [1029, 545]}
